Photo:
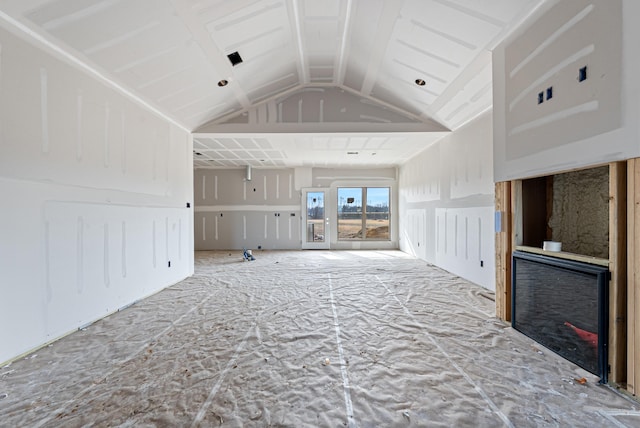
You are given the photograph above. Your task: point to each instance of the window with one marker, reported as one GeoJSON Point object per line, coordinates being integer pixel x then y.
{"type": "Point", "coordinates": [357, 221]}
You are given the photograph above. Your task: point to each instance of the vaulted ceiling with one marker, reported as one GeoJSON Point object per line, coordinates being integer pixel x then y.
{"type": "Point", "coordinates": [361, 58]}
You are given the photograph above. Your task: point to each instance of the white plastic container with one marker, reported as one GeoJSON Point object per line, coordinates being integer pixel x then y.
{"type": "Point", "coordinates": [552, 246]}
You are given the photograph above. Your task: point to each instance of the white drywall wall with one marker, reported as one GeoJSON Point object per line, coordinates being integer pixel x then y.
{"type": "Point", "coordinates": [93, 194]}
{"type": "Point", "coordinates": [233, 213]}
{"type": "Point", "coordinates": [446, 203]}
{"type": "Point", "coordinates": [584, 123]}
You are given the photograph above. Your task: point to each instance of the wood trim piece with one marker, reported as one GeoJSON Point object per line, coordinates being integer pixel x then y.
{"type": "Point", "coordinates": [618, 269]}
{"type": "Point", "coordinates": [503, 250]}
{"type": "Point", "coordinates": [564, 255]}
{"type": "Point", "coordinates": [633, 276]}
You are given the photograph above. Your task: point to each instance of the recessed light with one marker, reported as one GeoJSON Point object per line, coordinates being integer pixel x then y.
{"type": "Point", "coordinates": [420, 82]}
{"type": "Point", "coordinates": [223, 82]}
{"type": "Point", "coordinates": [198, 153]}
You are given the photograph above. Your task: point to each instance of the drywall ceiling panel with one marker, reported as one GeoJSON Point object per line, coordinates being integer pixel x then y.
{"type": "Point", "coordinates": [321, 36]}
{"type": "Point", "coordinates": [171, 54]}
{"type": "Point", "coordinates": [328, 8]}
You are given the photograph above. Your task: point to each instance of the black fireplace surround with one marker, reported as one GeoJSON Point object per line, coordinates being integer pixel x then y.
{"type": "Point", "coordinates": [563, 305]}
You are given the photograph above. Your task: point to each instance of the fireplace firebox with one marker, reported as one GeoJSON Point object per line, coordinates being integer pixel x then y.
{"type": "Point", "coordinates": [563, 305]}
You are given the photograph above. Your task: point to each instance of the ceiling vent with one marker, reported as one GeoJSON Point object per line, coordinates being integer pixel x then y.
{"type": "Point", "coordinates": [235, 58]}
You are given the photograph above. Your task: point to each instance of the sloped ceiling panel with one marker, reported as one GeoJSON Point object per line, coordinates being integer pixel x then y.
{"type": "Point", "coordinates": [394, 43]}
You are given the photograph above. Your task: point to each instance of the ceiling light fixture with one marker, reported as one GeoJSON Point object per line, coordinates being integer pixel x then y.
{"type": "Point", "coordinates": [420, 82]}
{"type": "Point", "coordinates": [223, 82]}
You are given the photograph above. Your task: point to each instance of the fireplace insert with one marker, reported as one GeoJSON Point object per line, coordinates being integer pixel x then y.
{"type": "Point", "coordinates": [563, 305]}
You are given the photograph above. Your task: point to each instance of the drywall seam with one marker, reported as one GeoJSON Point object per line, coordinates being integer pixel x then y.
{"type": "Point", "coordinates": [290, 186]}
{"type": "Point", "coordinates": [47, 263]}
{"type": "Point", "coordinates": [107, 112]}
{"type": "Point", "coordinates": [106, 249]}
{"type": "Point", "coordinates": [79, 125]}
{"type": "Point", "coordinates": [244, 227]}
{"type": "Point", "coordinates": [123, 141]}
{"type": "Point", "coordinates": [560, 115]}
{"type": "Point", "coordinates": [80, 254]}
{"type": "Point", "coordinates": [264, 184]}
{"type": "Point", "coordinates": [44, 110]}
{"type": "Point", "coordinates": [179, 239]}
{"type": "Point", "coordinates": [235, 208]}
{"type": "Point", "coordinates": [124, 249]}
{"type": "Point", "coordinates": [551, 39]}
{"type": "Point", "coordinates": [155, 247]}
{"type": "Point", "coordinates": [166, 238]}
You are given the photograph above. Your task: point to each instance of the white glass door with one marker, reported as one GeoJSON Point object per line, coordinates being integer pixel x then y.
{"type": "Point", "coordinates": [315, 234]}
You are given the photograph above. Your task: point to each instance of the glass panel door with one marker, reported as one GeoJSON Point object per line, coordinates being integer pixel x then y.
{"type": "Point", "coordinates": [316, 222]}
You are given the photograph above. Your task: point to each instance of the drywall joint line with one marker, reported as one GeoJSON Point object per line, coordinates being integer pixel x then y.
{"type": "Point", "coordinates": [214, 390]}
{"type": "Point", "coordinates": [44, 109]}
{"type": "Point", "coordinates": [459, 369]}
{"type": "Point", "coordinates": [120, 364]}
{"type": "Point", "coordinates": [343, 366]}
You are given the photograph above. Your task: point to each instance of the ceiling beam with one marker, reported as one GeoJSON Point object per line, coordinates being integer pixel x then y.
{"type": "Point", "coordinates": [390, 13]}
{"type": "Point", "coordinates": [296, 22]}
{"type": "Point", "coordinates": [338, 75]}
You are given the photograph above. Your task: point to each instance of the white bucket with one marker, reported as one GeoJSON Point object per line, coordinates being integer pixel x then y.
{"type": "Point", "coordinates": [552, 246]}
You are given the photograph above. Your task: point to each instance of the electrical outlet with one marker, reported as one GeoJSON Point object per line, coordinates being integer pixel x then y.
{"type": "Point", "coordinates": [169, 263]}
{"type": "Point", "coordinates": [481, 263]}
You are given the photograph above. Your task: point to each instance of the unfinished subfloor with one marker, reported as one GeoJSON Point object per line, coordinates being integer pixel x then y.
{"type": "Point", "coordinates": [306, 339]}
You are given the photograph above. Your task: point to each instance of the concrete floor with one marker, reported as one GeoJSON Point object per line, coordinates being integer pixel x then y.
{"type": "Point", "coordinates": [314, 338]}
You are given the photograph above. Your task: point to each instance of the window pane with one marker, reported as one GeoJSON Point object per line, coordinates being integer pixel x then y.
{"type": "Point", "coordinates": [315, 217]}
{"type": "Point", "coordinates": [377, 218]}
{"type": "Point", "coordinates": [350, 213]}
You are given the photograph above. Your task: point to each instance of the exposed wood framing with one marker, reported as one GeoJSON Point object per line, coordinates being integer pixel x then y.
{"type": "Point", "coordinates": [503, 251]}
{"type": "Point", "coordinates": [516, 213]}
{"type": "Point", "coordinates": [618, 269]}
{"type": "Point", "coordinates": [633, 276]}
